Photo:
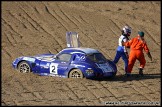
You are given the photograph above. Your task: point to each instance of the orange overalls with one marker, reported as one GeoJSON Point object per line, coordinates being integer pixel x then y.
{"type": "Point", "coordinates": [136, 52]}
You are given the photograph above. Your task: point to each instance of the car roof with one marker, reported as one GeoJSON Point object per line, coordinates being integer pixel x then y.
{"type": "Point", "coordinates": [80, 50]}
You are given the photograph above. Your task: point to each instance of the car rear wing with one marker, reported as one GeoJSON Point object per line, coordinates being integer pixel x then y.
{"type": "Point", "coordinates": [72, 39]}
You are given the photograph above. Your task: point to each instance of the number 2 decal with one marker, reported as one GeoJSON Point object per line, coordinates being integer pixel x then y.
{"type": "Point", "coordinates": [53, 68]}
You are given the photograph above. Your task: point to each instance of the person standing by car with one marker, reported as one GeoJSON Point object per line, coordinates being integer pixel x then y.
{"type": "Point", "coordinates": [137, 45]}
{"type": "Point", "coordinates": [121, 50]}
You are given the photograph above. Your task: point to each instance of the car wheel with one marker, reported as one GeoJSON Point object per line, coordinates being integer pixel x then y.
{"type": "Point", "coordinates": [24, 67]}
{"type": "Point", "coordinates": [76, 73]}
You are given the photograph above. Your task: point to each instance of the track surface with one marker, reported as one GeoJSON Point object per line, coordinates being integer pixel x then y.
{"type": "Point", "coordinates": [30, 28]}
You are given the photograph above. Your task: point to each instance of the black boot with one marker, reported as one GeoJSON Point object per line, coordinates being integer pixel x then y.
{"type": "Point", "coordinates": [141, 71]}
{"type": "Point", "coordinates": [128, 74]}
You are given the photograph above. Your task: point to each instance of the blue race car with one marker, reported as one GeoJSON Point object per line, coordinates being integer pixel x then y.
{"type": "Point", "coordinates": [71, 62]}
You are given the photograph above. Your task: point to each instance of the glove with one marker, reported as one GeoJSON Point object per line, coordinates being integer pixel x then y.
{"type": "Point", "coordinates": [149, 55]}
{"type": "Point", "coordinates": [126, 53]}
{"type": "Point", "coordinates": [123, 43]}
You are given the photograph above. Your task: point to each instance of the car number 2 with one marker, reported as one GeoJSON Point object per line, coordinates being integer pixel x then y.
{"type": "Point", "coordinates": [53, 68]}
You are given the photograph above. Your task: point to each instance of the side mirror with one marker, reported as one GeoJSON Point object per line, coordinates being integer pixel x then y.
{"type": "Point", "coordinates": [74, 57]}
{"type": "Point", "coordinates": [55, 57]}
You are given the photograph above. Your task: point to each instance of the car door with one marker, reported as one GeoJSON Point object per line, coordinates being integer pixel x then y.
{"type": "Point", "coordinates": [44, 65]}
{"type": "Point", "coordinates": [60, 65]}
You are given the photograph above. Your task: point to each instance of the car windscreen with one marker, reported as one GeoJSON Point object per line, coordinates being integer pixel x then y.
{"type": "Point", "coordinates": [96, 57]}
{"type": "Point", "coordinates": [64, 57]}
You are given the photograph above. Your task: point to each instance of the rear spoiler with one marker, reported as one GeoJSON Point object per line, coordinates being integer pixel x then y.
{"type": "Point", "coordinates": [72, 39]}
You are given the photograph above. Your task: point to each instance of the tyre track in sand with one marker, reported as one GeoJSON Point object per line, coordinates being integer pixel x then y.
{"type": "Point", "coordinates": [45, 30]}
{"type": "Point", "coordinates": [71, 19]}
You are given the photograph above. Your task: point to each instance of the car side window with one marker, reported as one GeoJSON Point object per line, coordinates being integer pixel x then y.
{"type": "Point", "coordinates": [64, 57]}
{"type": "Point", "coordinates": [96, 57]}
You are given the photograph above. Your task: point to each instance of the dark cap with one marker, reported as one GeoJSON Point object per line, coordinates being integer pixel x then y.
{"type": "Point", "coordinates": [141, 33]}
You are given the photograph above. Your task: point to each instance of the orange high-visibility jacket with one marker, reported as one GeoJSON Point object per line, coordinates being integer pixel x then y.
{"type": "Point", "coordinates": [137, 44]}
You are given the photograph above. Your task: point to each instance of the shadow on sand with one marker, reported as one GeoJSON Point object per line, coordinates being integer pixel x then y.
{"type": "Point", "coordinates": [131, 78]}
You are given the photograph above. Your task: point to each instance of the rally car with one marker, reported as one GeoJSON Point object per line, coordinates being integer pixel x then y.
{"type": "Point", "coordinates": [71, 62]}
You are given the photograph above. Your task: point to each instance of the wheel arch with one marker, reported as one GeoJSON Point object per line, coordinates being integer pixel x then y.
{"type": "Point", "coordinates": [22, 61]}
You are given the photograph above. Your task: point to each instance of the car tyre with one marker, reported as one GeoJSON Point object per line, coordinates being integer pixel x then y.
{"type": "Point", "coordinates": [76, 73]}
{"type": "Point", "coordinates": [24, 67]}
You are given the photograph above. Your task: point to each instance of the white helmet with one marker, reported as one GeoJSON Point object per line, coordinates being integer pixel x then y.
{"type": "Point", "coordinates": [127, 30]}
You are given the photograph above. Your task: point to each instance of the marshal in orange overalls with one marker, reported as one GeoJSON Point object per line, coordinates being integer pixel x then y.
{"type": "Point", "coordinates": [136, 52]}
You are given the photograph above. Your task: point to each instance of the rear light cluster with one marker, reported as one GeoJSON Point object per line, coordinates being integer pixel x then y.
{"type": "Point", "coordinates": [89, 71]}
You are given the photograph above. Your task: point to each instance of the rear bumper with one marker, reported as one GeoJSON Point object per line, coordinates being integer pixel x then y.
{"type": "Point", "coordinates": [101, 75]}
